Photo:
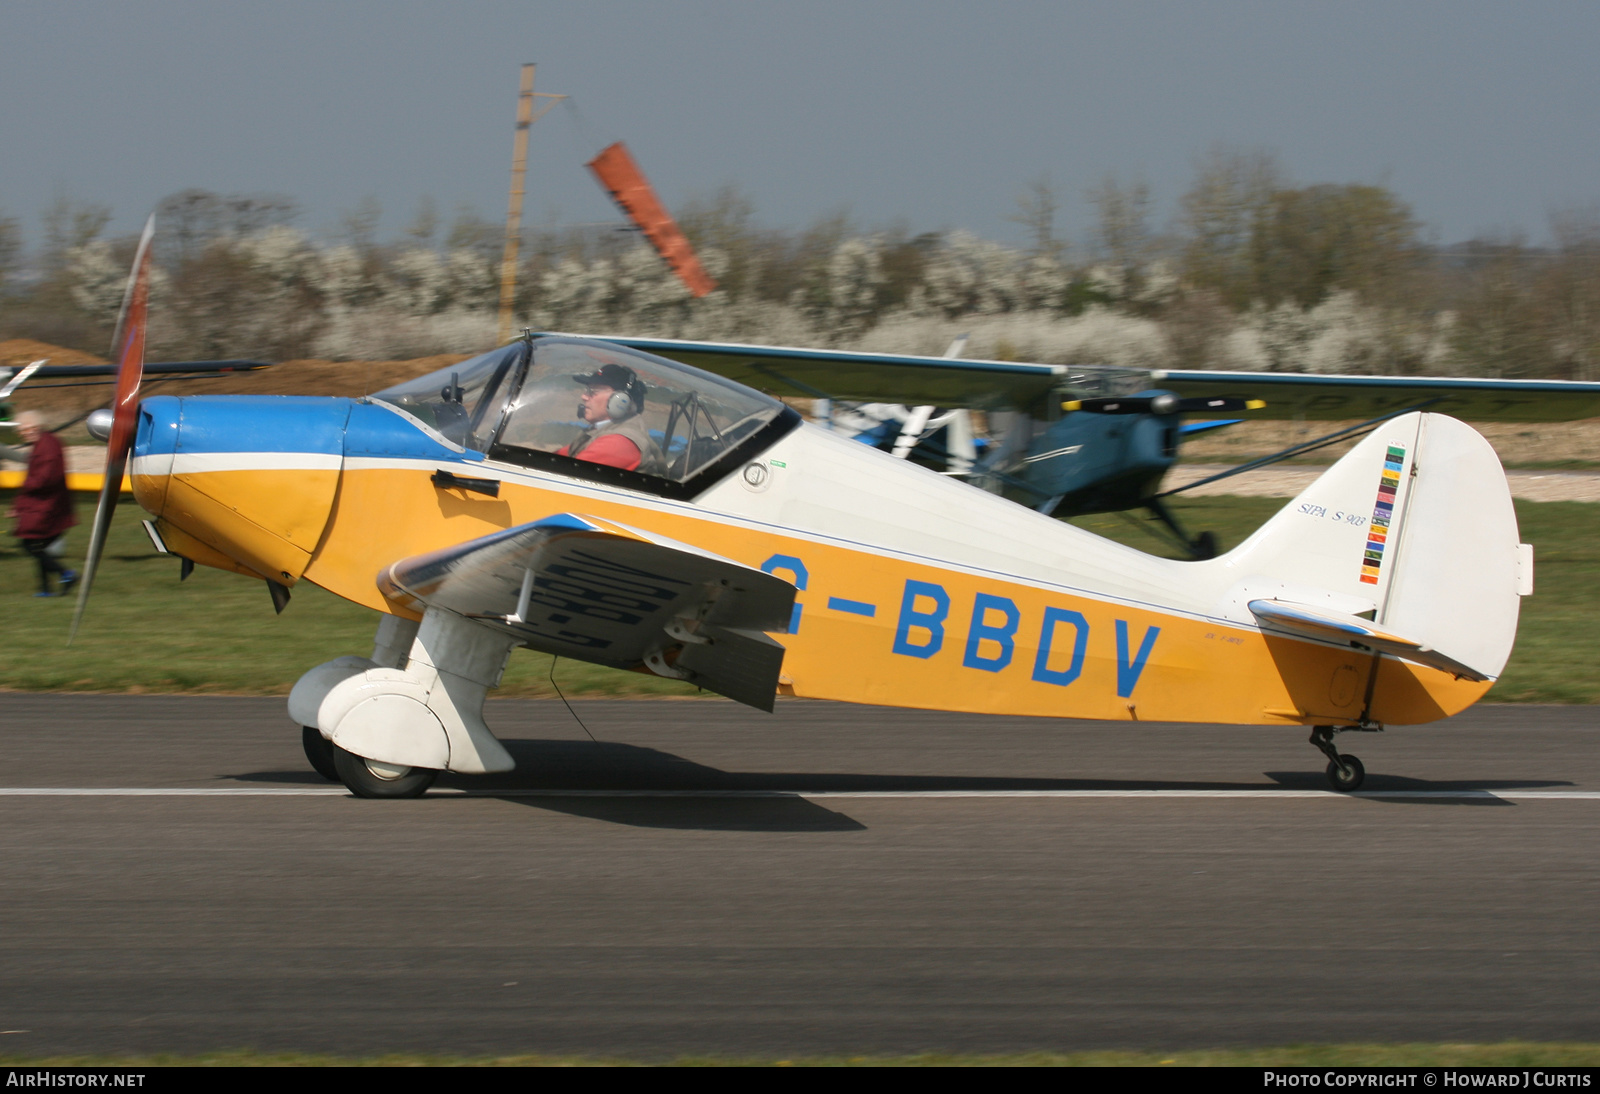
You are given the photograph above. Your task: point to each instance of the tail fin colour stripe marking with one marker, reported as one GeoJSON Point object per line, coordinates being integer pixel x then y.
{"type": "Point", "coordinates": [1382, 513]}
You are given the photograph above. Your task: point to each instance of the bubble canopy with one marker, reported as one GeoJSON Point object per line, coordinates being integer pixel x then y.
{"type": "Point", "coordinates": [522, 404]}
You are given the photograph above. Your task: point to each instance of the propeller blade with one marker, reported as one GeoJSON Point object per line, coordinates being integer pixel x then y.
{"type": "Point", "coordinates": [1224, 404]}
{"type": "Point", "coordinates": [127, 346]}
{"type": "Point", "coordinates": [1163, 403]}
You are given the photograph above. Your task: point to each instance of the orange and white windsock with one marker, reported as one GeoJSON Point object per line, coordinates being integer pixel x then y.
{"type": "Point", "coordinates": [626, 184]}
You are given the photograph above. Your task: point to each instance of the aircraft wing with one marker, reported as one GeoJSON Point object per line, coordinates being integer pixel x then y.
{"type": "Point", "coordinates": [981, 384]}
{"type": "Point", "coordinates": [1333, 398]}
{"type": "Point", "coordinates": [862, 377]}
{"type": "Point", "coordinates": [588, 587]}
{"type": "Point", "coordinates": [47, 375]}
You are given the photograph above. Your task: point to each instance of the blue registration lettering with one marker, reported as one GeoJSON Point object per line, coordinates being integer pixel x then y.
{"type": "Point", "coordinates": [1003, 634]}
{"type": "Point", "coordinates": [1128, 672]}
{"type": "Point", "coordinates": [912, 619]}
{"type": "Point", "coordinates": [1054, 617]}
{"type": "Point", "coordinates": [797, 571]}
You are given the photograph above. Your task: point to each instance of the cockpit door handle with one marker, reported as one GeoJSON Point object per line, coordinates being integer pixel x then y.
{"type": "Point", "coordinates": [447, 480]}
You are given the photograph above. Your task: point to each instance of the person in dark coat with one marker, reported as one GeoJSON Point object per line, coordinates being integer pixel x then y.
{"type": "Point", "coordinates": [43, 506]}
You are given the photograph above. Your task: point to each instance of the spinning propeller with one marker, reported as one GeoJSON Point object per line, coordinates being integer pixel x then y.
{"type": "Point", "coordinates": [127, 346]}
{"type": "Point", "coordinates": [1164, 403]}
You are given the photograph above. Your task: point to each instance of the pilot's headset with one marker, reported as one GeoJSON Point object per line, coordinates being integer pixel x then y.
{"type": "Point", "coordinates": [627, 394]}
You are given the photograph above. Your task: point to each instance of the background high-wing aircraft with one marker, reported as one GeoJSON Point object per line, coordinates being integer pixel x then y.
{"type": "Point", "coordinates": [1068, 440]}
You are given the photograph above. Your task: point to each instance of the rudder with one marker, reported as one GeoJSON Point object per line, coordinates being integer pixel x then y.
{"type": "Point", "coordinates": [1414, 531]}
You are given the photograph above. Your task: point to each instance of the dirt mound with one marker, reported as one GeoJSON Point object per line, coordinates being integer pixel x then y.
{"type": "Point", "coordinates": [22, 351]}
{"type": "Point", "coordinates": [303, 377]}
{"type": "Point", "coordinates": [308, 377]}
{"type": "Point", "coordinates": [312, 377]}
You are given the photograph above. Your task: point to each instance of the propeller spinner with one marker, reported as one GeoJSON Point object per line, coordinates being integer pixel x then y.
{"type": "Point", "coordinates": [127, 346]}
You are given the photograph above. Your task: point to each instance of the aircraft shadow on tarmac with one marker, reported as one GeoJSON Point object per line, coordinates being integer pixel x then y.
{"type": "Point", "coordinates": [605, 766]}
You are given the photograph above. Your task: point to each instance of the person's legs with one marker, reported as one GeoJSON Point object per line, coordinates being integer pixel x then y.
{"type": "Point", "coordinates": [39, 549]}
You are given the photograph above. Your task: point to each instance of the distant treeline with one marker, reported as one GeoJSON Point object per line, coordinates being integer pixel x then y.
{"type": "Point", "coordinates": [1255, 272]}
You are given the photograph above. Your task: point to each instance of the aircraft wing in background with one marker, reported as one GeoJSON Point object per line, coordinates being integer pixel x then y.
{"type": "Point", "coordinates": [1322, 397]}
{"type": "Point", "coordinates": [864, 377]}
{"type": "Point", "coordinates": [41, 374]}
{"type": "Point", "coordinates": [1014, 385]}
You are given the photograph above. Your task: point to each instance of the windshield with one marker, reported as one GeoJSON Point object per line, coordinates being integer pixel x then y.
{"type": "Point", "coordinates": [460, 401]}
{"type": "Point", "coordinates": [595, 410]}
{"type": "Point", "coordinates": [599, 403]}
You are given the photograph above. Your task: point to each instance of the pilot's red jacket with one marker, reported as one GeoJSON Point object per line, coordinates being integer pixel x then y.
{"type": "Point", "coordinates": [43, 506]}
{"type": "Point", "coordinates": [601, 446]}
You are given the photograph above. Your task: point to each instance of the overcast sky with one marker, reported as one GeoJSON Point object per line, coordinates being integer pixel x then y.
{"type": "Point", "coordinates": [938, 114]}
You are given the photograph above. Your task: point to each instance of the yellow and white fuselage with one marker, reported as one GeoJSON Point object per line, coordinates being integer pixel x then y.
{"type": "Point", "coordinates": [912, 589]}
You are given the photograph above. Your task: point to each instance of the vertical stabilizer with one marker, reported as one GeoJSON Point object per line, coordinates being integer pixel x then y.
{"type": "Point", "coordinates": [1413, 530]}
{"type": "Point", "coordinates": [1457, 583]}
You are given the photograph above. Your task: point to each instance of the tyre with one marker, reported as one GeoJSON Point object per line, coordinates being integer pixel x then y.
{"type": "Point", "coordinates": [319, 750]}
{"type": "Point", "coordinates": [375, 779]}
{"type": "Point", "coordinates": [1347, 774]}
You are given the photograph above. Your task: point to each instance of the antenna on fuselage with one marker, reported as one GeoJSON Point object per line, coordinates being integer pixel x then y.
{"type": "Point", "coordinates": [526, 116]}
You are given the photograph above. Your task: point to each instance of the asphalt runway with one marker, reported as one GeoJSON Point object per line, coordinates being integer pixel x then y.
{"type": "Point", "coordinates": [707, 878]}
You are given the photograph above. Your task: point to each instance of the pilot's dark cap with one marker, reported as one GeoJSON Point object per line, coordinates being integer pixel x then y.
{"type": "Point", "coordinates": [615, 377]}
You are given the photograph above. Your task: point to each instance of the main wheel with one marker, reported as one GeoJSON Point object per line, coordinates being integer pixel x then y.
{"type": "Point", "coordinates": [1347, 774]}
{"type": "Point", "coordinates": [376, 779]}
{"type": "Point", "coordinates": [319, 750]}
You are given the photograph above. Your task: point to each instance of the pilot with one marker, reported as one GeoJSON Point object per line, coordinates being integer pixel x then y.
{"type": "Point", "coordinates": [612, 400]}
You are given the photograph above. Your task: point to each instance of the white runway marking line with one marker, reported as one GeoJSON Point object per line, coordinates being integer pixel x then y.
{"type": "Point", "coordinates": [452, 792]}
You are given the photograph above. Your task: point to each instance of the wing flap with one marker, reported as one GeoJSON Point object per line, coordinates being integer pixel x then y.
{"type": "Point", "coordinates": [1328, 625]}
{"type": "Point", "coordinates": [603, 592]}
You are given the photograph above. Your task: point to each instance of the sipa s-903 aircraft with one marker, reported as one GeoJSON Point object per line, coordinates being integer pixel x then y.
{"type": "Point", "coordinates": [598, 502]}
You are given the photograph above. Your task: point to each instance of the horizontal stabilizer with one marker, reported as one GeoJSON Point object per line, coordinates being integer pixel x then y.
{"type": "Point", "coordinates": [603, 592]}
{"type": "Point", "coordinates": [1328, 625]}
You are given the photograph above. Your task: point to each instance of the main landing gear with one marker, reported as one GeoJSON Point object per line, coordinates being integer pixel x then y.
{"type": "Point", "coordinates": [319, 750]}
{"type": "Point", "coordinates": [376, 779]}
{"type": "Point", "coordinates": [1344, 771]}
{"type": "Point", "coordinates": [386, 725]}
{"type": "Point", "coordinates": [365, 778]}
{"type": "Point", "coordinates": [1200, 547]}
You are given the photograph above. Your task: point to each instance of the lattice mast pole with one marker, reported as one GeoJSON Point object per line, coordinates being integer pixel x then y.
{"type": "Point", "coordinates": [526, 116]}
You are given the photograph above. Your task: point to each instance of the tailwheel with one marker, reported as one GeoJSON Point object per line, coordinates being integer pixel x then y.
{"type": "Point", "coordinates": [1347, 774]}
{"type": "Point", "coordinates": [319, 750]}
{"type": "Point", "coordinates": [376, 779]}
